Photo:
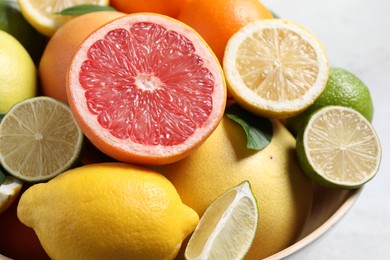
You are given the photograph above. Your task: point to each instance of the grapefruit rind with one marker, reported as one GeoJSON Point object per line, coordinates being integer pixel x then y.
{"type": "Point", "coordinates": [127, 150]}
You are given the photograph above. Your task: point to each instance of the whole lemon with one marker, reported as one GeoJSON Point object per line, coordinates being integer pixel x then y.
{"type": "Point", "coordinates": [18, 77]}
{"type": "Point", "coordinates": [107, 211]}
{"type": "Point", "coordinates": [283, 192]}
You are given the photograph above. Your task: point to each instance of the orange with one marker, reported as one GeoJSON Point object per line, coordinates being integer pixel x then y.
{"type": "Point", "coordinates": [166, 7]}
{"type": "Point", "coordinates": [217, 20]}
{"type": "Point", "coordinates": [58, 53]}
{"type": "Point", "coordinates": [145, 88]}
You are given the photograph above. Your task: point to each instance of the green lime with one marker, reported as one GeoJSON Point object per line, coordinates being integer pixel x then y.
{"type": "Point", "coordinates": [342, 89]}
{"type": "Point", "coordinates": [233, 213]}
{"type": "Point", "coordinates": [13, 22]}
{"type": "Point", "coordinates": [39, 139]}
{"type": "Point", "coordinates": [339, 148]}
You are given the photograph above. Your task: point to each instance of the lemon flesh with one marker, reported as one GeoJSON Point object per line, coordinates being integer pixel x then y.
{"type": "Point", "coordinates": [339, 148]}
{"type": "Point", "coordinates": [42, 14]}
{"type": "Point", "coordinates": [39, 139]}
{"type": "Point", "coordinates": [234, 214]}
{"type": "Point", "coordinates": [275, 68]}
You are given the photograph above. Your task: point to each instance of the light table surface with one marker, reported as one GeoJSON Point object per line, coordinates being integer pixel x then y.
{"type": "Point", "coordinates": [356, 37]}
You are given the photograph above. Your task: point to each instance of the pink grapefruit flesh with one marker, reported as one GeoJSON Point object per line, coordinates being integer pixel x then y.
{"type": "Point", "coordinates": [146, 89]}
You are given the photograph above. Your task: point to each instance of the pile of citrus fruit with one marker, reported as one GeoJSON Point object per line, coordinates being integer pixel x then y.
{"type": "Point", "coordinates": [169, 129]}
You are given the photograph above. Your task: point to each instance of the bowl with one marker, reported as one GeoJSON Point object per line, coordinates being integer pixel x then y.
{"type": "Point", "coordinates": [329, 207]}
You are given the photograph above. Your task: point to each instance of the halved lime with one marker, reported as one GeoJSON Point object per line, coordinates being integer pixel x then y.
{"type": "Point", "coordinates": [339, 148]}
{"type": "Point", "coordinates": [227, 228]}
{"type": "Point", "coordinates": [39, 139]}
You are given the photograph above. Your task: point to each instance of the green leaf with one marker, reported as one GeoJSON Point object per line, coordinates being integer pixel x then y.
{"type": "Point", "coordinates": [84, 9]}
{"type": "Point", "coordinates": [258, 130]}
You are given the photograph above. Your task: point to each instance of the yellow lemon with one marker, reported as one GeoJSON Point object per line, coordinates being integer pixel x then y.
{"type": "Point", "coordinates": [275, 68]}
{"type": "Point", "coordinates": [18, 76]}
{"type": "Point", "coordinates": [44, 17]}
{"type": "Point", "coordinates": [108, 211]}
{"type": "Point", "coordinates": [283, 192]}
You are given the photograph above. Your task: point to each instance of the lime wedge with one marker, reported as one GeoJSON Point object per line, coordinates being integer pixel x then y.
{"type": "Point", "coordinates": [39, 139]}
{"type": "Point", "coordinates": [339, 148]}
{"type": "Point", "coordinates": [227, 228]}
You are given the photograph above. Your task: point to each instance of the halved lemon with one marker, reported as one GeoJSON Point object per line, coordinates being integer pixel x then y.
{"type": "Point", "coordinates": [227, 228]}
{"type": "Point", "coordinates": [43, 14]}
{"type": "Point", "coordinates": [275, 68]}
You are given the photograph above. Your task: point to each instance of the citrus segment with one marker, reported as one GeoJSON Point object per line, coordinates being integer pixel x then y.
{"type": "Point", "coordinates": [275, 68]}
{"type": "Point", "coordinates": [339, 148]}
{"type": "Point", "coordinates": [39, 139]}
{"type": "Point", "coordinates": [43, 15]}
{"type": "Point", "coordinates": [54, 64]}
{"type": "Point", "coordinates": [146, 88]}
{"type": "Point", "coordinates": [233, 213]}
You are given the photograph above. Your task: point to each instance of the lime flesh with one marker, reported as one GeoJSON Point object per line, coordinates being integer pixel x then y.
{"type": "Point", "coordinates": [234, 214]}
{"type": "Point", "coordinates": [339, 148]}
{"type": "Point", "coordinates": [39, 139]}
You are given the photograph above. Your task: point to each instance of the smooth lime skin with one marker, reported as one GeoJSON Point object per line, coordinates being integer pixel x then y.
{"type": "Point", "coordinates": [342, 89]}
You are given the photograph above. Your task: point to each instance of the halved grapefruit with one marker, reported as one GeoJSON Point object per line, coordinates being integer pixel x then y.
{"type": "Point", "coordinates": [146, 89]}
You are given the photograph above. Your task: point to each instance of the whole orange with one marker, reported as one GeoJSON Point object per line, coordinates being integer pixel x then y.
{"type": "Point", "coordinates": [59, 51]}
{"type": "Point", "coordinates": [166, 7]}
{"type": "Point", "coordinates": [217, 20]}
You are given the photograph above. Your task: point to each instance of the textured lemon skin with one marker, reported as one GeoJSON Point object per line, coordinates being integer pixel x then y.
{"type": "Point", "coordinates": [107, 211]}
{"type": "Point", "coordinates": [18, 75]}
{"type": "Point", "coordinates": [283, 192]}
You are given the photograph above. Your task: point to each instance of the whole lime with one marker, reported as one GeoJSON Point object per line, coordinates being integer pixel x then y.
{"type": "Point", "coordinates": [343, 88]}
{"type": "Point", "coordinates": [13, 22]}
